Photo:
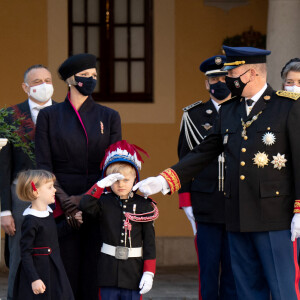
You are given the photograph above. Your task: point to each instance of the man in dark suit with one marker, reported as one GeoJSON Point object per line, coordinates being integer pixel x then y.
{"type": "Point", "coordinates": [258, 130]}
{"type": "Point", "coordinates": [202, 198]}
{"type": "Point", "coordinates": [38, 86]}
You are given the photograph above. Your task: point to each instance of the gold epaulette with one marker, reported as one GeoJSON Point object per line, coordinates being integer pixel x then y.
{"type": "Point", "coordinates": [191, 106]}
{"type": "Point", "coordinates": [291, 95]}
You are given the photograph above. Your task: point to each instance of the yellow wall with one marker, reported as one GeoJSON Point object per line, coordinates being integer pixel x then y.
{"type": "Point", "coordinates": [28, 36]}
{"type": "Point", "coordinates": [23, 42]}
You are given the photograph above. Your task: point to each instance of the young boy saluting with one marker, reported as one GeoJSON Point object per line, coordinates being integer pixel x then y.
{"type": "Point", "coordinates": [126, 264]}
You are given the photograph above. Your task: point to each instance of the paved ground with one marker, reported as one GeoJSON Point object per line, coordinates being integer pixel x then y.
{"type": "Point", "coordinates": [172, 283]}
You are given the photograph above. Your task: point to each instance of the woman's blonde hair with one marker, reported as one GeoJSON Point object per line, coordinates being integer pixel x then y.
{"type": "Point", "coordinates": [118, 166]}
{"type": "Point", "coordinates": [29, 179]}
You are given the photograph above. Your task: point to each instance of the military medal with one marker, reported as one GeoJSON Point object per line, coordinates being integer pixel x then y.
{"type": "Point", "coordinates": [261, 159]}
{"type": "Point", "coordinates": [279, 161]}
{"type": "Point", "coordinates": [218, 60]}
{"type": "Point", "coordinates": [207, 126]}
{"type": "Point", "coordinates": [248, 124]}
{"type": "Point", "coordinates": [209, 111]}
{"type": "Point", "coordinates": [269, 138]}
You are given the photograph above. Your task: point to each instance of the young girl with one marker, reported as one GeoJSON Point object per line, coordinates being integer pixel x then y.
{"type": "Point", "coordinates": [126, 264]}
{"type": "Point", "coordinates": [41, 274]}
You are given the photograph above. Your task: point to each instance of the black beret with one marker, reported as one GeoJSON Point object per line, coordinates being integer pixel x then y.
{"type": "Point", "coordinates": [75, 64]}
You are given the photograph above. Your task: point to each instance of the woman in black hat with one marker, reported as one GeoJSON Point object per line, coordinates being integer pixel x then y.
{"type": "Point", "coordinates": [71, 138]}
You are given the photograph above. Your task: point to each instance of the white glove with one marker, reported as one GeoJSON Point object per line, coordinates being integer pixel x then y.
{"type": "Point", "coordinates": [190, 215]}
{"type": "Point", "coordinates": [110, 180]}
{"type": "Point", "coordinates": [152, 185]}
{"type": "Point", "coordinates": [295, 227]}
{"type": "Point", "coordinates": [146, 282]}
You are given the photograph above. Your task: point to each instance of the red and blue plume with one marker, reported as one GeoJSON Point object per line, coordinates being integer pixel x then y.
{"type": "Point", "coordinates": [123, 151]}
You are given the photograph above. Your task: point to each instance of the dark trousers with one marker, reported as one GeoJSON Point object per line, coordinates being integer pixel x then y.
{"type": "Point", "coordinates": [265, 263]}
{"type": "Point", "coordinates": [212, 247]}
{"type": "Point", "coordinates": [111, 293]}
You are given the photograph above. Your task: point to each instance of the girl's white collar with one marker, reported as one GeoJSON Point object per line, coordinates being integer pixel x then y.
{"type": "Point", "coordinates": [37, 213]}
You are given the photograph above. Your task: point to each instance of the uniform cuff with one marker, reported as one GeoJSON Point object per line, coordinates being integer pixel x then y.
{"type": "Point", "coordinates": [185, 199]}
{"type": "Point", "coordinates": [149, 265]}
{"type": "Point", "coordinates": [95, 191]}
{"type": "Point", "coordinates": [173, 181]}
{"type": "Point", "coordinates": [297, 207]}
{"type": "Point", "coordinates": [5, 213]}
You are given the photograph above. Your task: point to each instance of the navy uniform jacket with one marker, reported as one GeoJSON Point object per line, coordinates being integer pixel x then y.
{"type": "Point", "coordinates": [207, 201]}
{"type": "Point", "coordinates": [12, 159]}
{"type": "Point", "coordinates": [69, 150]}
{"type": "Point", "coordinates": [41, 259]}
{"type": "Point", "coordinates": [110, 210]}
{"type": "Point", "coordinates": [257, 198]}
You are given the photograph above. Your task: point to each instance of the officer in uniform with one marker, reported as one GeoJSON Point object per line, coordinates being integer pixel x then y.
{"type": "Point", "coordinates": [202, 198]}
{"type": "Point", "coordinates": [258, 131]}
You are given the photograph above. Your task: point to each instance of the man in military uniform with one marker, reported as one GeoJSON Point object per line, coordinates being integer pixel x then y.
{"type": "Point", "coordinates": [258, 131]}
{"type": "Point", "coordinates": [202, 198]}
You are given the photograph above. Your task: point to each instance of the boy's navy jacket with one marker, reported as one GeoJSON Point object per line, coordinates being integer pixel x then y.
{"type": "Point", "coordinates": [110, 211]}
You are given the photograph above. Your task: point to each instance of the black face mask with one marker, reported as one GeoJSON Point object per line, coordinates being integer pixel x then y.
{"type": "Point", "coordinates": [219, 90]}
{"type": "Point", "coordinates": [85, 85]}
{"type": "Point", "coordinates": [236, 85]}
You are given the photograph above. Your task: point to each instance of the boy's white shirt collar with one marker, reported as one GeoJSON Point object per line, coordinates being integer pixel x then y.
{"type": "Point", "coordinates": [37, 213]}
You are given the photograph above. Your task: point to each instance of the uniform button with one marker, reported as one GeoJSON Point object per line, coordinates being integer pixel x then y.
{"type": "Point", "coordinates": [123, 221]}
{"type": "Point", "coordinates": [277, 192]}
{"type": "Point", "coordinates": [242, 163]}
{"type": "Point", "coordinates": [242, 177]}
{"type": "Point", "coordinates": [126, 200]}
{"type": "Point", "coordinates": [226, 130]}
{"type": "Point", "coordinates": [49, 250]}
{"type": "Point", "coordinates": [124, 206]}
{"type": "Point", "coordinates": [122, 233]}
{"type": "Point", "coordinates": [224, 194]}
{"type": "Point", "coordinates": [123, 227]}
{"type": "Point", "coordinates": [245, 138]}
{"type": "Point", "coordinates": [243, 149]}
{"type": "Point", "coordinates": [124, 212]}
{"type": "Point", "coordinates": [268, 128]}
{"type": "Point", "coordinates": [122, 241]}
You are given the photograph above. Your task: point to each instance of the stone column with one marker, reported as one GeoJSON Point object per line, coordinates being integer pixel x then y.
{"type": "Point", "coordinates": [283, 37]}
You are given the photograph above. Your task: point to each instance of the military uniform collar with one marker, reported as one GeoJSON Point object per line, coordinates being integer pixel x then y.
{"type": "Point", "coordinates": [256, 97]}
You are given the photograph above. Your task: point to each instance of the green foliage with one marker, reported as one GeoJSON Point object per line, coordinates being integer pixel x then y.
{"type": "Point", "coordinates": [250, 38]}
{"type": "Point", "coordinates": [11, 127]}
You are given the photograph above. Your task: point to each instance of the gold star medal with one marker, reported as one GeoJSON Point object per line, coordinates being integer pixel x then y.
{"type": "Point", "coordinates": [269, 138]}
{"type": "Point", "coordinates": [279, 161]}
{"type": "Point", "coordinates": [261, 159]}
